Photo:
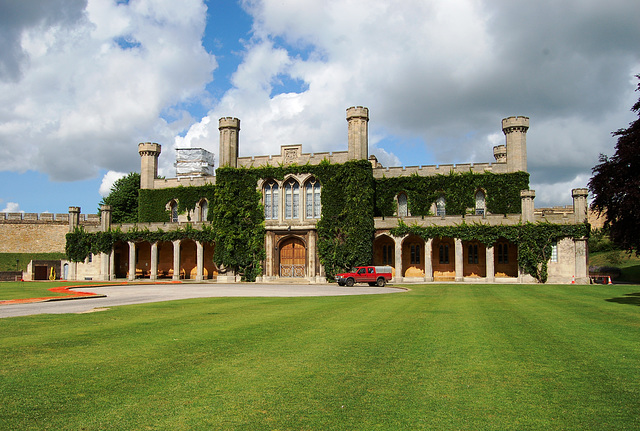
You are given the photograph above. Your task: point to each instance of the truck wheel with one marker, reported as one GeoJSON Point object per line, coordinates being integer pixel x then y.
{"type": "Point", "coordinates": [381, 282]}
{"type": "Point", "coordinates": [341, 283]}
{"type": "Point", "coordinates": [350, 281]}
{"type": "Point", "coordinates": [371, 283]}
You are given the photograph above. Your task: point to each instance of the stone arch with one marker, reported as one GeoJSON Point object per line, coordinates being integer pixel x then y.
{"type": "Point", "coordinates": [172, 209]}
{"type": "Point", "coordinates": [413, 257]}
{"type": "Point", "coordinates": [505, 258]}
{"type": "Point", "coordinates": [202, 210]}
{"type": "Point", "coordinates": [188, 258]}
{"type": "Point", "coordinates": [384, 251]}
{"type": "Point", "coordinates": [443, 259]}
{"type": "Point", "coordinates": [143, 259]}
{"type": "Point", "coordinates": [292, 257]}
{"type": "Point", "coordinates": [474, 262]}
{"type": "Point", "coordinates": [121, 259]}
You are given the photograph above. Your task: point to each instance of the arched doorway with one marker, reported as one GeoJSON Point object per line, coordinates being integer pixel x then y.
{"type": "Point", "coordinates": [293, 258]}
{"type": "Point", "coordinates": [413, 256]}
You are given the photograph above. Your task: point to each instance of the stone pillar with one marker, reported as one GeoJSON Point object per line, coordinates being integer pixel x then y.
{"type": "Point", "coordinates": [112, 265]}
{"type": "Point", "coordinates": [312, 255]}
{"type": "Point", "coordinates": [176, 259]}
{"type": "Point", "coordinates": [153, 276]}
{"type": "Point", "coordinates": [515, 131]}
{"type": "Point", "coordinates": [199, 261]}
{"type": "Point", "coordinates": [527, 197]}
{"type": "Point", "coordinates": [149, 153]}
{"type": "Point", "coordinates": [73, 271]}
{"type": "Point", "coordinates": [269, 257]}
{"type": "Point", "coordinates": [582, 268]}
{"type": "Point", "coordinates": [358, 119]}
{"type": "Point", "coordinates": [398, 253]}
{"type": "Point", "coordinates": [74, 218]}
{"type": "Point", "coordinates": [459, 262]}
{"type": "Point", "coordinates": [104, 266]}
{"type": "Point", "coordinates": [132, 261]}
{"type": "Point", "coordinates": [105, 217]}
{"type": "Point", "coordinates": [229, 141]}
{"type": "Point", "coordinates": [490, 264]}
{"type": "Point", "coordinates": [428, 260]}
{"type": "Point", "coordinates": [580, 205]}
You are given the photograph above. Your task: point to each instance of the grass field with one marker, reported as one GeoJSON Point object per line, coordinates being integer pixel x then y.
{"type": "Point", "coordinates": [34, 289]}
{"type": "Point", "coordinates": [19, 261]}
{"type": "Point", "coordinates": [470, 357]}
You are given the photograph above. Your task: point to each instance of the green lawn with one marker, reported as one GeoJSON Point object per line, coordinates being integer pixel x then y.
{"type": "Point", "coordinates": [19, 261]}
{"type": "Point", "coordinates": [34, 289]}
{"type": "Point", "coordinates": [442, 357]}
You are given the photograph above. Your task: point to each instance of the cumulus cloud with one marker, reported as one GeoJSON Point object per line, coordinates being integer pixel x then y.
{"type": "Point", "coordinates": [108, 180]}
{"type": "Point", "coordinates": [438, 77]}
{"type": "Point", "coordinates": [81, 82]}
{"type": "Point", "coordinates": [12, 207]}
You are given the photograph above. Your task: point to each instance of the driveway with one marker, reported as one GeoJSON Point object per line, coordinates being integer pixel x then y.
{"type": "Point", "coordinates": [138, 294]}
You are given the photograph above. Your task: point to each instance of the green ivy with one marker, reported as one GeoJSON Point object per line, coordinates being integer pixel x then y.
{"type": "Point", "coordinates": [533, 240]}
{"type": "Point", "coordinates": [502, 192]}
{"type": "Point", "coordinates": [152, 205]}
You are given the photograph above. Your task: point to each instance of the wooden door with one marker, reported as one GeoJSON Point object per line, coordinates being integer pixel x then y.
{"type": "Point", "coordinates": [292, 258]}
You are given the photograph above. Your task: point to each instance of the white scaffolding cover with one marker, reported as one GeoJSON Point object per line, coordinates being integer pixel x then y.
{"type": "Point", "coordinates": [192, 162]}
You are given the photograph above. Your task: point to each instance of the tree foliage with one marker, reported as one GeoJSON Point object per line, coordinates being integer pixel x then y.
{"type": "Point", "coordinates": [615, 186]}
{"type": "Point", "coordinates": [123, 199]}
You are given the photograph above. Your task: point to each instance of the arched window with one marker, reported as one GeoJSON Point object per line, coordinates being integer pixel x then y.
{"type": "Point", "coordinates": [173, 207]}
{"type": "Point", "coordinates": [503, 253]}
{"type": "Point", "coordinates": [472, 253]}
{"type": "Point", "coordinates": [415, 254]}
{"type": "Point", "coordinates": [314, 206]}
{"type": "Point", "coordinates": [203, 209]}
{"type": "Point", "coordinates": [271, 201]}
{"type": "Point", "coordinates": [480, 202]}
{"type": "Point", "coordinates": [291, 199]}
{"type": "Point", "coordinates": [440, 207]}
{"type": "Point", "coordinates": [444, 253]}
{"type": "Point", "coordinates": [403, 210]}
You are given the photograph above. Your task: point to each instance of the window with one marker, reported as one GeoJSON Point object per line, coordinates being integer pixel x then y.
{"type": "Point", "coordinates": [444, 253]}
{"type": "Point", "coordinates": [440, 207]}
{"type": "Point", "coordinates": [314, 207]}
{"type": "Point", "coordinates": [480, 202]}
{"type": "Point", "coordinates": [503, 253]}
{"type": "Point", "coordinates": [403, 210]}
{"type": "Point", "coordinates": [204, 210]}
{"type": "Point", "coordinates": [90, 258]}
{"type": "Point", "coordinates": [415, 253]}
{"type": "Point", "coordinates": [370, 270]}
{"type": "Point", "coordinates": [554, 251]}
{"type": "Point", "coordinates": [291, 199]}
{"type": "Point", "coordinates": [271, 201]}
{"type": "Point", "coordinates": [174, 211]}
{"type": "Point", "coordinates": [472, 253]}
{"type": "Point", "coordinates": [387, 254]}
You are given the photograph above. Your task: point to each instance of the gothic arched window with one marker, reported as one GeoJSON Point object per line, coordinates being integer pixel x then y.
{"type": "Point", "coordinates": [173, 206]}
{"type": "Point", "coordinates": [271, 201]}
{"type": "Point", "coordinates": [480, 202]}
{"type": "Point", "coordinates": [314, 206]}
{"type": "Point", "coordinates": [440, 207]}
{"type": "Point", "coordinates": [291, 199]}
{"type": "Point", "coordinates": [403, 210]}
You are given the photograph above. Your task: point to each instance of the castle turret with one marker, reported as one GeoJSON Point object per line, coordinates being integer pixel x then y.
{"type": "Point", "coordinates": [515, 131]}
{"type": "Point", "coordinates": [74, 218]}
{"type": "Point", "coordinates": [358, 119]}
{"type": "Point", "coordinates": [229, 138]}
{"type": "Point", "coordinates": [527, 197]}
{"type": "Point", "coordinates": [149, 153]}
{"type": "Point", "coordinates": [580, 204]}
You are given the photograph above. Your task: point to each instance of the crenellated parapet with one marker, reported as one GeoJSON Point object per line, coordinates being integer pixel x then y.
{"type": "Point", "coordinates": [515, 131]}
{"type": "Point", "coordinates": [149, 153]}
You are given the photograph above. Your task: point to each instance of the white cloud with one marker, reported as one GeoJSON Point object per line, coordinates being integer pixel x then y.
{"type": "Point", "coordinates": [90, 88]}
{"type": "Point", "coordinates": [12, 207]}
{"type": "Point", "coordinates": [108, 180]}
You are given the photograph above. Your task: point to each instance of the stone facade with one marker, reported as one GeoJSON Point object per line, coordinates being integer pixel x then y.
{"type": "Point", "coordinates": [293, 208]}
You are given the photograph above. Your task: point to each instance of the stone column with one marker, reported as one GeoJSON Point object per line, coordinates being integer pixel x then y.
{"type": "Point", "coordinates": [199, 261]}
{"type": "Point", "coordinates": [398, 252]}
{"type": "Point", "coordinates": [515, 131]}
{"type": "Point", "coordinates": [312, 255]}
{"type": "Point", "coordinates": [459, 260]}
{"type": "Point", "coordinates": [176, 259]}
{"type": "Point", "coordinates": [527, 197]}
{"type": "Point", "coordinates": [580, 205]}
{"type": "Point", "coordinates": [112, 265]}
{"type": "Point", "coordinates": [73, 271]}
{"type": "Point", "coordinates": [229, 141]}
{"type": "Point", "coordinates": [104, 266]}
{"type": "Point", "coordinates": [428, 260]}
{"type": "Point", "coordinates": [490, 268]}
{"type": "Point", "coordinates": [154, 262]}
{"type": "Point", "coordinates": [270, 250]}
{"type": "Point", "coordinates": [74, 218]}
{"type": "Point", "coordinates": [105, 217]}
{"type": "Point", "coordinates": [132, 261]}
{"type": "Point", "coordinates": [581, 269]}
{"type": "Point", "coordinates": [358, 139]}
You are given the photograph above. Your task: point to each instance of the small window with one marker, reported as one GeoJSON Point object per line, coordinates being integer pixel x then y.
{"type": "Point", "coordinates": [387, 254]}
{"type": "Point", "coordinates": [271, 201]}
{"type": "Point", "coordinates": [440, 207]}
{"type": "Point", "coordinates": [362, 271]}
{"type": "Point", "coordinates": [444, 254]}
{"type": "Point", "coordinates": [472, 253]}
{"type": "Point", "coordinates": [503, 253]}
{"type": "Point", "coordinates": [90, 258]}
{"type": "Point", "coordinates": [415, 254]}
{"type": "Point", "coordinates": [480, 202]}
{"type": "Point", "coordinates": [370, 270]}
{"type": "Point", "coordinates": [314, 205]}
{"type": "Point", "coordinates": [554, 251]}
{"type": "Point", "coordinates": [204, 210]}
{"type": "Point", "coordinates": [291, 200]}
{"type": "Point", "coordinates": [403, 210]}
{"type": "Point", "coordinates": [174, 212]}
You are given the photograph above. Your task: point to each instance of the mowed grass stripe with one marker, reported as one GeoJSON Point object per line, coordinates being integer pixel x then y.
{"type": "Point", "coordinates": [438, 357]}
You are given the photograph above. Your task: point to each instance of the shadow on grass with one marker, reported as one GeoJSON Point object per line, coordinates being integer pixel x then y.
{"type": "Point", "coordinates": [628, 298]}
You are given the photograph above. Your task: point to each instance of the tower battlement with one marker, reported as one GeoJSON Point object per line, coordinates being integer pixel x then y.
{"type": "Point", "coordinates": [509, 124]}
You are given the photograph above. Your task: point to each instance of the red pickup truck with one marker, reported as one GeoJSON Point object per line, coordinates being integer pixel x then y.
{"type": "Point", "coordinates": [374, 275]}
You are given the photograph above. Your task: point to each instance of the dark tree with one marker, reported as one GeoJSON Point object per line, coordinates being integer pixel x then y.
{"type": "Point", "coordinates": [123, 199]}
{"type": "Point", "coordinates": [615, 186]}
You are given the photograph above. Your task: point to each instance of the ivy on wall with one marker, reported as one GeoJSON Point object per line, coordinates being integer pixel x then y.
{"type": "Point", "coordinates": [502, 192]}
{"type": "Point", "coordinates": [152, 205]}
{"type": "Point", "coordinates": [534, 240]}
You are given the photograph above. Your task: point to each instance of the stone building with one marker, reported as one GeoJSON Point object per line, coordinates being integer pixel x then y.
{"type": "Point", "coordinates": [293, 207]}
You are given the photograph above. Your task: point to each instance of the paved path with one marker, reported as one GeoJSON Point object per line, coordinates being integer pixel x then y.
{"type": "Point", "coordinates": [138, 294]}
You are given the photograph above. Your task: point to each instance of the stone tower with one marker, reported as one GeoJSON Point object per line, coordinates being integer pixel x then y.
{"type": "Point", "coordinates": [515, 131]}
{"type": "Point", "coordinates": [229, 138]}
{"type": "Point", "coordinates": [358, 119]}
{"type": "Point", "coordinates": [149, 153]}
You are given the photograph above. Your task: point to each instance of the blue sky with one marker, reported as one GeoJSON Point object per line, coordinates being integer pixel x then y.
{"type": "Point", "coordinates": [83, 81]}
